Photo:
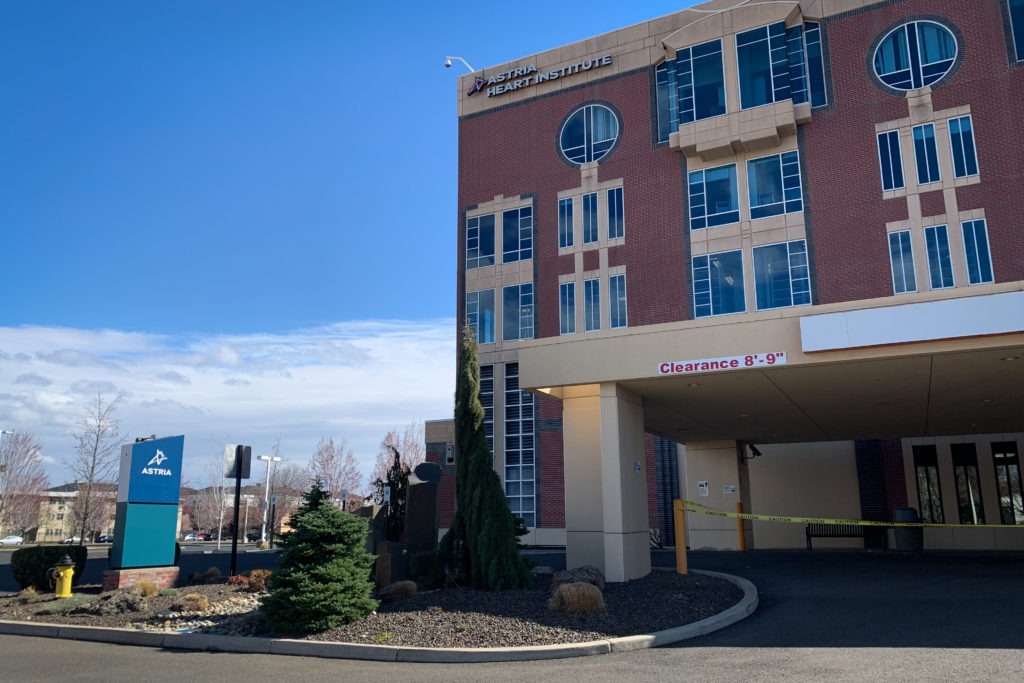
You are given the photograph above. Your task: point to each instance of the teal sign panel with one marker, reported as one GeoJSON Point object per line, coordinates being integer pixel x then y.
{"type": "Point", "coordinates": [146, 535]}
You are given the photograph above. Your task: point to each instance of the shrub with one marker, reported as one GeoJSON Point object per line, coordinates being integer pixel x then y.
{"type": "Point", "coordinates": [146, 588]}
{"type": "Point", "coordinates": [166, 592]}
{"type": "Point", "coordinates": [28, 594]}
{"type": "Point", "coordinates": [66, 604]}
{"type": "Point", "coordinates": [577, 598]}
{"type": "Point", "coordinates": [258, 579]}
{"type": "Point", "coordinates": [324, 575]}
{"type": "Point", "coordinates": [31, 566]}
{"type": "Point", "coordinates": [192, 602]}
{"type": "Point", "coordinates": [211, 574]}
{"type": "Point", "coordinates": [238, 580]}
{"type": "Point", "coordinates": [400, 590]}
{"type": "Point", "coordinates": [427, 568]}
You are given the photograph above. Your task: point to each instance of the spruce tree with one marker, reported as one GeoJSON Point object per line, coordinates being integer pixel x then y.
{"type": "Point", "coordinates": [324, 575]}
{"type": "Point", "coordinates": [481, 542]}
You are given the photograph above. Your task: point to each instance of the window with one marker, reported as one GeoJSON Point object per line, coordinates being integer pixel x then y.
{"type": "Point", "coordinates": [480, 241]}
{"type": "Point", "coordinates": [979, 261]}
{"type": "Point", "coordinates": [968, 488]}
{"type": "Point", "coordinates": [592, 304]}
{"type": "Point", "coordinates": [480, 314]}
{"type": "Point", "coordinates": [797, 64]}
{"type": "Point", "coordinates": [929, 494]}
{"type": "Point", "coordinates": [889, 156]}
{"type": "Point", "coordinates": [940, 267]}
{"type": "Point", "coordinates": [616, 222]}
{"type": "Point", "coordinates": [487, 401]}
{"type": "Point", "coordinates": [718, 284]}
{"type": "Point", "coordinates": [590, 231]}
{"type": "Point", "coordinates": [914, 55]}
{"type": "Point", "coordinates": [781, 275]}
{"type": "Point", "coordinates": [815, 58]}
{"type": "Point", "coordinates": [925, 154]}
{"type": "Point", "coordinates": [567, 308]}
{"type": "Point", "coordinates": [517, 234]}
{"type": "Point", "coordinates": [519, 448]}
{"type": "Point", "coordinates": [961, 139]}
{"type": "Point", "coordinates": [714, 199]}
{"type": "Point", "coordinates": [690, 87]}
{"type": "Point", "coordinates": [774, 185]}
{"type": "Point", "coordinates": [589, 134]}
{"type": "Point", "coordinates": [517, 312]}
{"type": "Point", "coordinates": [565, 222]}
{"type": "Point", "coordinates": [763, 65]}
{"type": "Point", "coordinates": [902, 258]}
{"type": "Point", "coordinates": [1016, 8]}
{"type": "Point", "coordinates": [1008, 482]}
{"type": "Point", "coordinates": [617, 297]}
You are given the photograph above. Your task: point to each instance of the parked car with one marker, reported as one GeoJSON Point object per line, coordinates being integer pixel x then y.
{"type": "Point", "coordinates": [189, 538]}
{"type": "Point", "coordinates": [105, 539]}
{"type": "Point", "coordinates": [11, 540]}
{"type": "Point", "coordinates": [203, 536]}
{"type": "Point", "coordinates": [72, 540]}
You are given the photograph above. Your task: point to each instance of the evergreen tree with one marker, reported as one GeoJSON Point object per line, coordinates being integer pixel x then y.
{"type": "Point", "coordinates": [481, 542]}
{"type": "Point", "coordinates": [324, 575]}
{"type": "Point", "coordinates": [397, 479]}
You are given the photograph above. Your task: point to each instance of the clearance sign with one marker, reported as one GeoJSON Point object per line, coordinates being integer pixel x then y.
{"type": "Point", "coordinates": [751, 360]}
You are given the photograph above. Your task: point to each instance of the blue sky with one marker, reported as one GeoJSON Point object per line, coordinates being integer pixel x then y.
{"type": "Point", "coordinates": [241, 215]}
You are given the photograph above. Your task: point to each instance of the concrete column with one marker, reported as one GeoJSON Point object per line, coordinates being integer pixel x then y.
{"type": "Point", "coordinates": [605, 481]}
{"type": "Point", "coordinates": [717, 464]}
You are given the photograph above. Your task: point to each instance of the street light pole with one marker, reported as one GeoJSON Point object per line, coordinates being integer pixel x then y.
{"type": "Point", "coordinates": [271, 459]}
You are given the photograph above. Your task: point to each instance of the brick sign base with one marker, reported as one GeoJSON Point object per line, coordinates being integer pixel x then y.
{"type": "Point", "coordinates": [163, 577]}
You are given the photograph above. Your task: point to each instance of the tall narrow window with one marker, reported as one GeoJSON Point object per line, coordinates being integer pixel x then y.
{"type": "Point", "coordinates": [714, 199]}
{"type": "Point", "coordinates": [902, 258]}
{"type": "Point", "coordinates": [890, 158]}
{"type": "Point", "coordinates": [517, 312]}
{"type": "Point", "coordinates": [797, 64]}
{"type": "Point", "coordinates": [486, 394]}
{"type": "Point", "coordinates": [480, 241]}
{"type": "Point", "coordinates": [520, 450]}
{"type": "Point", "coordinates": [690, 87]}
{"type": "Point", "coordinates": [1008, 482]}
{"type": "Point", "coordinates": [617, 298]}
{"type": "Point", "coordinates": [567, 308]}
{"type": "Point", "coordinates": [979, 261]}
{"type": "Point", "coordinates": [968, 486]}
{"type": "Point", "coordinates": [565, 207]}
{"type": "Point", "coordinates": [763, 65]}
{"type": "Point", "coordinates": [1017, 26]}
{"type": "Point", "coordinates": [592, 304]}
{"type": "Point", "coordinates": [929, 493]}
{"type": "Point", "coordinates": [590, 230]}
{"type": "Point", "coordinates": [480, 314]}
{"type": "Point", "coordinates": [517, 234]}
{"type": "Point", "coordinates": [781, 275]}
{"type": "Point", "coordinates": [616, 220]}
{"type": "Point", "coordinates": [925, 154]}
{"type": "Point", "coordinates": [815, 64]}
{"type": "Point", "coordinates": [961, 140]}
{"type": "Point", "coordinates": [940, 266]}
{"type": "Point", "coordinates": [774, 185]}
{"type": "Point", "coordinates": [718, 284]}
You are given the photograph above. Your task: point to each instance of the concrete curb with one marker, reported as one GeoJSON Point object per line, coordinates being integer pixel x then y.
{"type": "Point", "coordinates": [383, 653]}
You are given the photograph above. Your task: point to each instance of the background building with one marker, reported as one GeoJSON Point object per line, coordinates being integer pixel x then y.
{"type": "Point", "coordinates": [789, 224]}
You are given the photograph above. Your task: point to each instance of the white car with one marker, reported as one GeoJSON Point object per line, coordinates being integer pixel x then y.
{"type": "Point", "coordinates": [72, 540]}
{"type": "Point", "coordinates": [11, 540]}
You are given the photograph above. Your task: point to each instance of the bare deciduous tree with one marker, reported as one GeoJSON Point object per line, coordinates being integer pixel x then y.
{"type": "Point", "coordinates": [291, 481]}
{"type": "Point", "coordinates": [409, 444]}
{"type": "Point", "coordinates": [96, 454]}
{"type": "Point", "coordinates": [22, 481]}
{"type": "Point", "coordinates": [337, 467]}
{"type": "Point", "coordinates": [212, 502]}
{"type": "Point", "coordinates": [92, 514]}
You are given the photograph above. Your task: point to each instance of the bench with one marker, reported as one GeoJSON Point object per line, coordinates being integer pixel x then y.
{"type": "Point", "coordinates": [818, 530]}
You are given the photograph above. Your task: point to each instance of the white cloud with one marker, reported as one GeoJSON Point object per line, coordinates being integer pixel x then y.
{"type": "Point", "coordinates": [350, 380]}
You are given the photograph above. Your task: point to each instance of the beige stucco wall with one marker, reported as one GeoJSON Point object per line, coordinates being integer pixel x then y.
{"type": "Point", "coordinates": [717, 464]}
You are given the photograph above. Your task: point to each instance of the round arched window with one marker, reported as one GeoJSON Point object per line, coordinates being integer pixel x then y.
{"type": "Point", "coordinates": [915, 54]}
{"type": "Point", "coordinates": [589, 134]}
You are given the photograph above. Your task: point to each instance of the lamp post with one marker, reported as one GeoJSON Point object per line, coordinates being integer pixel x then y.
{"type": "Point", "coordinates": [271, 459]}
{"type": "Point", "coordinates": [2, 432]}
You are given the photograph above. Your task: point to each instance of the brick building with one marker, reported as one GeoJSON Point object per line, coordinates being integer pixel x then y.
{"type": "Point", "coordinates": [786, 229]}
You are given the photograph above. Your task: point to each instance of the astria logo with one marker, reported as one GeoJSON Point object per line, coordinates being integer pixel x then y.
{"type": "Point", "coordinates": [158, 460]}
{"type": "Point", "coordinates": [478, 84]}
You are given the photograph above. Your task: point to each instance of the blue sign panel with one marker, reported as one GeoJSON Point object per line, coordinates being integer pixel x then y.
{"type": "Point", "coordinates": [152, 471]}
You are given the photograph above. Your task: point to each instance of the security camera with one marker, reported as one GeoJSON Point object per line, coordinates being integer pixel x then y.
{"type": "Point", "coordinates": [447, 63]}
{"type": "Point", "coordinates": [754, 452]}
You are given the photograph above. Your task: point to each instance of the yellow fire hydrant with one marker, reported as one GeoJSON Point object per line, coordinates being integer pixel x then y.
{"type": "Point", "coordinates": [62, 574]}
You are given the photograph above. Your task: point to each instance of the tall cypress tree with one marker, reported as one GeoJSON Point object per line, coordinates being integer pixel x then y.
{"type": "Point", "coordinates": [481, 543]}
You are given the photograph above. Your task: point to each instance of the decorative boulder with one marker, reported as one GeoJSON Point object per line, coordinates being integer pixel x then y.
{"type": "Point", "coordinates": [586, 574]}
{"type": "Point", "coordinates": [400, 590]}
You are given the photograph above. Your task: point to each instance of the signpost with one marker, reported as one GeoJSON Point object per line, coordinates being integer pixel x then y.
{"type": "Point", "coordinates": [237, 461]}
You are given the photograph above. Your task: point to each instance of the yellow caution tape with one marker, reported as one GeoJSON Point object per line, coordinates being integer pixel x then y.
{"type": "Point", "coordinates": [697, 508]}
